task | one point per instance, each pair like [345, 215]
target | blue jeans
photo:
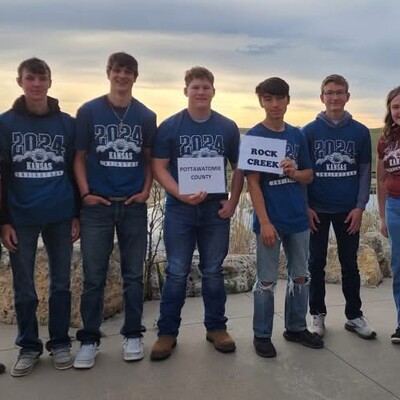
[184, 227]
[347, 250]
[393, 226]
[57, 240]
[296, 250]
[98, 224]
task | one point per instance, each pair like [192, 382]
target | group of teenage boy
[89, 177]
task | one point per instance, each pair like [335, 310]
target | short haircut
[335, 78]
[273, 86]
[123, 60]
[35, 66]
[198, 73]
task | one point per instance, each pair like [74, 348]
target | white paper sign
[262, 154]
[201, 174]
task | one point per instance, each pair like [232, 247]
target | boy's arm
[228, 206]
[267, 230]
[81, 181]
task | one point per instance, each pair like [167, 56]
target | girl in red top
[388, 191]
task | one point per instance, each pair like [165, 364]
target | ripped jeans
[296, 302]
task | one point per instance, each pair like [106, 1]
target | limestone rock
[239, 274]
[381, 246]
[370, 271]
[368, 264]
[112, 298]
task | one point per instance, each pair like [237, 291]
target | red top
[389, 152]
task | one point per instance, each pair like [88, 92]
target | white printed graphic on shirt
[292, 152]
[201, 146]
[37, 155]
[392, 157]
[336, 157]
[118, 146]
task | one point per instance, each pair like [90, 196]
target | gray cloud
[242, 42]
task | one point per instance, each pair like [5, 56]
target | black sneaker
[264, 347]
[306, 338]
[395, 338]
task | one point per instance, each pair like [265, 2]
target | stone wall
[113, 293]
[239, 276]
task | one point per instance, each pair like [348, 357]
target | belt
[223, 196]
[111, 198]
[114, 198]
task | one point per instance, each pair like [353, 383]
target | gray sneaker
[25, 363]
[61, 357]
[133, 349]
[360, 327]
[85, 357]
[317, 324]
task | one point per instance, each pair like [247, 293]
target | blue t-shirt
[284, 197]
[38, 154]
[115, 160]
[181, 136]
[340, 154]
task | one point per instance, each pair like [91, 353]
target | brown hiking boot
[221, 340]
[162, 347]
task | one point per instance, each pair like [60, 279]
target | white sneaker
[360, 327]
[86, 355]
[133, 349]
[317, 324]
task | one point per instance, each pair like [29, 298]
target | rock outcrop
[239, 276]
[112, 298]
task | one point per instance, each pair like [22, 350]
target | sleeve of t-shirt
[5, 165]
[161, 148]
[150, 129]
[233, 155]
[380, 147]
[5, 144]
[365, 156]
[304, 161]
[306, 132]
[84, 128]
[364, 171]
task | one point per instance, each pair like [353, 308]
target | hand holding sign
[205, 174]
[262, 154]
[289, 167]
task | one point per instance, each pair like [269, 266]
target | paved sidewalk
[347, 368]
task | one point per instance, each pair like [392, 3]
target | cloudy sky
[241, 41]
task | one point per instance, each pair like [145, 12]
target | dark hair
[273, 86]
[123, 60]
[335, 78]
[198, 73]
[389, 123]
[35, 66]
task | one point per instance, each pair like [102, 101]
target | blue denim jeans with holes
[186, 226]
[296, 299]
[98, 224]
[393, 226]
[57, 241]
[347, 250]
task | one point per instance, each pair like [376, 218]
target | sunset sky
[241, 42]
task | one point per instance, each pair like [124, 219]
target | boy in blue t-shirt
[38, 198]
[340, 150]
[200, 218]
[112, 168]
[280, 218]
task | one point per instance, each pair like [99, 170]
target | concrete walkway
[347, 368]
